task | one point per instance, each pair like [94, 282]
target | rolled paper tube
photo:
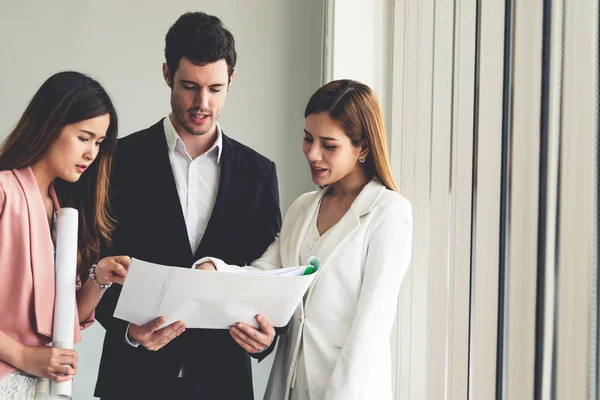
[64, 300]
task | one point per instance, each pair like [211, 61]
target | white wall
[361, 36]
[122, 44]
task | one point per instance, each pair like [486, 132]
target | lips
[199, 118]
[317, 170]
[81, 168]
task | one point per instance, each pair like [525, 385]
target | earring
[361, 159]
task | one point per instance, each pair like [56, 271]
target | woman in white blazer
[337, 342]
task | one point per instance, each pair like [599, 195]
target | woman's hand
[112, 269]
[59, 365]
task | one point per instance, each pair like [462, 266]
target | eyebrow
[322, 137]
[195, 84]
[92, 134]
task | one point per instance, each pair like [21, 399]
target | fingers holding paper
[251, 339]
[53, 363]
[112, 269]
[152, 337]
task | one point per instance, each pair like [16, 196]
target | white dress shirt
[197, 182]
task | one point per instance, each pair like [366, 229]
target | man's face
[198, 94]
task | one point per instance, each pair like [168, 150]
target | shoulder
[9, 187]
[391, 211]
[3, 177]
[6, 174]
[248, 155]
[8, 180]
[393, 202]
[136, 151]
[302, 202]
[135, 139]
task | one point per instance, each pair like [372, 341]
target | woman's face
[76, 148]
[329, 152]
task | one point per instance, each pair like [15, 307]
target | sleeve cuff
[219, 264]
[266, 348]
[129, 340]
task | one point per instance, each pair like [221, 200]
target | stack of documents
[209, 299]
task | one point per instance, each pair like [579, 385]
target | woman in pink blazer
[58, 154]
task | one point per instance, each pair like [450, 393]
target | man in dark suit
[183, 190]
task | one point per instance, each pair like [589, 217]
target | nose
[313, 152]
[202, 99]
[92, 151]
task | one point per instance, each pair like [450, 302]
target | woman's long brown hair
[63, 99]
[354, 106]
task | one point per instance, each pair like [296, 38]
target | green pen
[313, 265]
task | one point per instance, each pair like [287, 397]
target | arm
[268, 222]
[108, 270]
[105, 310]
[43, 361]
[271, 259]
[148, 335]
[268, 227]
[388, 257]
[259, 343]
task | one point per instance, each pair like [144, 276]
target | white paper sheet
[289, 271]
[65, 283]
[208, 299]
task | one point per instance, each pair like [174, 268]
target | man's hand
[153, 338]
[207, 266]
[251, 339]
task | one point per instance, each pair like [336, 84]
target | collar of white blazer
[364, 202]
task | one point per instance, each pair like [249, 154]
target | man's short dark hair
[202, 39]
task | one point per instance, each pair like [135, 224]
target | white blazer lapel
[299, 230]
[346, 226]
[291, 257]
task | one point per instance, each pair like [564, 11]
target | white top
[197, 181]
[310, 246]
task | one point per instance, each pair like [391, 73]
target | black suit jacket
[151, 227]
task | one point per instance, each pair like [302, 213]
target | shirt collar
[173, 138]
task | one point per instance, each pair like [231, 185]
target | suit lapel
[300, 227]
[225, 193]
[346, 226]
[42, 253]
[164, 191]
